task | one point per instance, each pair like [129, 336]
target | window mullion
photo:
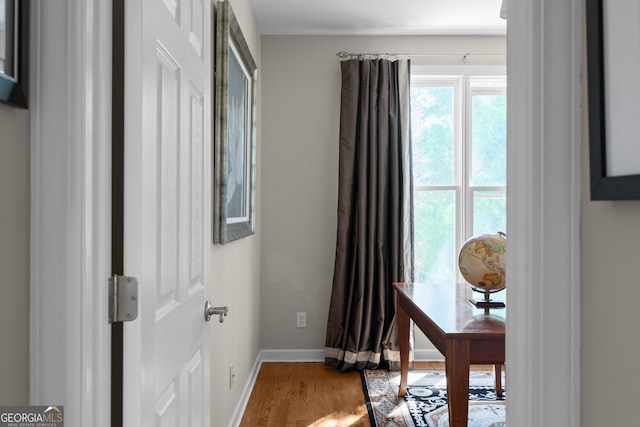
[466, 217]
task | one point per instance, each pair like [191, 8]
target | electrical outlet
[232, 375]
[301, 319]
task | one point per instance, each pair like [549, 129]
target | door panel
[196, 25]
[167, 214]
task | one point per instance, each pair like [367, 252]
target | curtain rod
[343, 54]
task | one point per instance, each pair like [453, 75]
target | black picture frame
[235, 131]
[14, 87]
[603, 186]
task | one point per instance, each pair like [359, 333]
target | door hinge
[123, 298]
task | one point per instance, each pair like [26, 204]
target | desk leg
[497, 372]
[457, 367]
[403, 336]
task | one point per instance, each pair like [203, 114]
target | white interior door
[167, 163]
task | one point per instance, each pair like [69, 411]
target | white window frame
[459, 78]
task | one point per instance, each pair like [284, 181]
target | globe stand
[487, 303]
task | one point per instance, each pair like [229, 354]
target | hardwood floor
[305, 394]
[308, 395]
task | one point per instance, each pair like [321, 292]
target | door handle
[209, 311]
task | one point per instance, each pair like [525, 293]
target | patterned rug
[425, 404]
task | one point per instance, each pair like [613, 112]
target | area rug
[425, 404]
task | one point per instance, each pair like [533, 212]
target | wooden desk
[461, 332]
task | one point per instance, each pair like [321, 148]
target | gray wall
[610, 293]
[235, 281]
[301, 102]
[14, 256]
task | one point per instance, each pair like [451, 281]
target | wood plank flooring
[305, 394]
[309, 395]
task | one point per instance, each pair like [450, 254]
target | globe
[482, 262]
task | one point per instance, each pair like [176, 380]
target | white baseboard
[422, 355]
[246, 393]
[428, 355]
[285, 355]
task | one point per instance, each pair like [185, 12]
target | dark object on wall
[14, 56]
[235, 135]
[603, 185]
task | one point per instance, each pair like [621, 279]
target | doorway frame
[70, 241]
[544, 63]
[70, 234]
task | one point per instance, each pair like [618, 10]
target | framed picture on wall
[14, 52]
[613, 66]
[234, 145]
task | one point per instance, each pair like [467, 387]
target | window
[459, 126]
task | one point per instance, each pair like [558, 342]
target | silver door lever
[210, 311]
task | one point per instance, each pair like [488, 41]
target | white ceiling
[379, 17]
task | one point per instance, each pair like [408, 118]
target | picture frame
[14, 52]
[235, 135]
[612, 68]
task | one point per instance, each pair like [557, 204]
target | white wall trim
[543, 212]
[291, 355]
[317, 355]
[70, 208]
[238, 412]
[428, 355]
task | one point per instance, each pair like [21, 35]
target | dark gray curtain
[373, 245]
